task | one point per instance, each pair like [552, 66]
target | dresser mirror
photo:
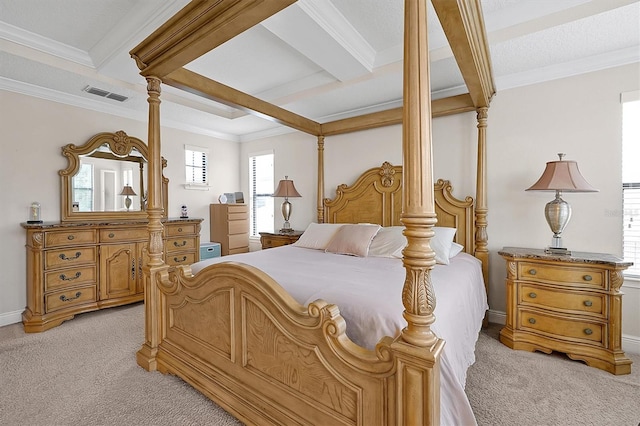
[106, 179]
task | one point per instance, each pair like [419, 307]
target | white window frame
[193, 179]
[631, 189]
[253, 231]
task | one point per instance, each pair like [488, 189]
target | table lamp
[127, 190]
[560, 176]
[286, 189]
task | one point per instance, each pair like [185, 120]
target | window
[196, 161]
[631, 180]
[260, 193]
[83, 188]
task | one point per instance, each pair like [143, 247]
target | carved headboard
[376, 197]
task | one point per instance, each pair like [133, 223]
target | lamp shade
[562, 176]
[127, 190]
[286, 189]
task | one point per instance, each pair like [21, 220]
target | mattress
[368, 292]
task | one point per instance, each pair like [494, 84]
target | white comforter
[368, 292]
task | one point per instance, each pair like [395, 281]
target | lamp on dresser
[127, 190]
[560, 176]
[286, 189]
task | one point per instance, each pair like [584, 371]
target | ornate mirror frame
[120, 145]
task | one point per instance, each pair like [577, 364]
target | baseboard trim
[9, 318]
[630, 343]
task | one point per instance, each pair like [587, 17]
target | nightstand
[569, 304]
[270, 240]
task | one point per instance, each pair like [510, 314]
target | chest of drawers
[570, 304]
[81, 267]
[229, 226]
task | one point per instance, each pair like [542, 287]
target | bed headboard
[376, 197]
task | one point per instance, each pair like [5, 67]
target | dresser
[569, 304]
[79, 267]
[270, 240]
[229, 226]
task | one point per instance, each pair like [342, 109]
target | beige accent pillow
[353, 240]
[317, 235]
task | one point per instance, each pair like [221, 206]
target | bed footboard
[235, 335]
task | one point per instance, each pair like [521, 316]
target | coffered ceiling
[322, 59]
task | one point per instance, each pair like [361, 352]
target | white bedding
[367, 290]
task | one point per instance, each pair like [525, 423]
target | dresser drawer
[70, 277]
[563, 300]
[239, 250]
[69, 257]
[123, 235]
[563, 328]
[239, 227]
[179, 244]
[177, 229]
[566, 275]
[238, 241]
[69, 298]
[69, 238]
[175, 259]
[237, 209]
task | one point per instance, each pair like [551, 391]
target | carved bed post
[146, 356]
[320, 179]
[481, 237]
[418, 349]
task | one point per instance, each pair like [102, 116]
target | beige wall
[580, 116]
[34, 130]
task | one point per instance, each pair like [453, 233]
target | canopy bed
[240, 337]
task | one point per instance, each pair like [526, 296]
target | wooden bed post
[418, 381]
[320, 179]
[481, 237]
[146, 356]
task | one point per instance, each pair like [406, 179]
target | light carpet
[84, 373]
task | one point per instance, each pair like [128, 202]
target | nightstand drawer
[274, 242]
[566, 275]
[563, 328]
[577, 302]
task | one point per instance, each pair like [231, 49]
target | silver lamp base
[557, 212]
[286, 214]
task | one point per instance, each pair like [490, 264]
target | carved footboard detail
[235, 335]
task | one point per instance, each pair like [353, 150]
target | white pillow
[388, 242]
[317, 235]
[455, 249]
[441, 243]
[353, 240]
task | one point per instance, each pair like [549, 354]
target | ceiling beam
[439, 108]
[198, 28]
[470, 47]
[197, 84]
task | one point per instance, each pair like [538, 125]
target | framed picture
[231, 197]
[239, 197]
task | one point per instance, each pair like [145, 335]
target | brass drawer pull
[532, 271]
[63, 277]
[111, 235]
[179, 229]
[68, 299]
[175, 259]
[588, 303]
[532, 320]
[184, 243]
[587, 278]
[588, 331]
[533, 295]
[64, 256]
[70, 237]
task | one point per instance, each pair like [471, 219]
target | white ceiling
[323, 59]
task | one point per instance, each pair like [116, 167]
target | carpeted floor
[84, 373]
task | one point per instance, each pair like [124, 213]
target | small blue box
[209, 250]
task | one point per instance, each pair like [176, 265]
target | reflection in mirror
[102, 177]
